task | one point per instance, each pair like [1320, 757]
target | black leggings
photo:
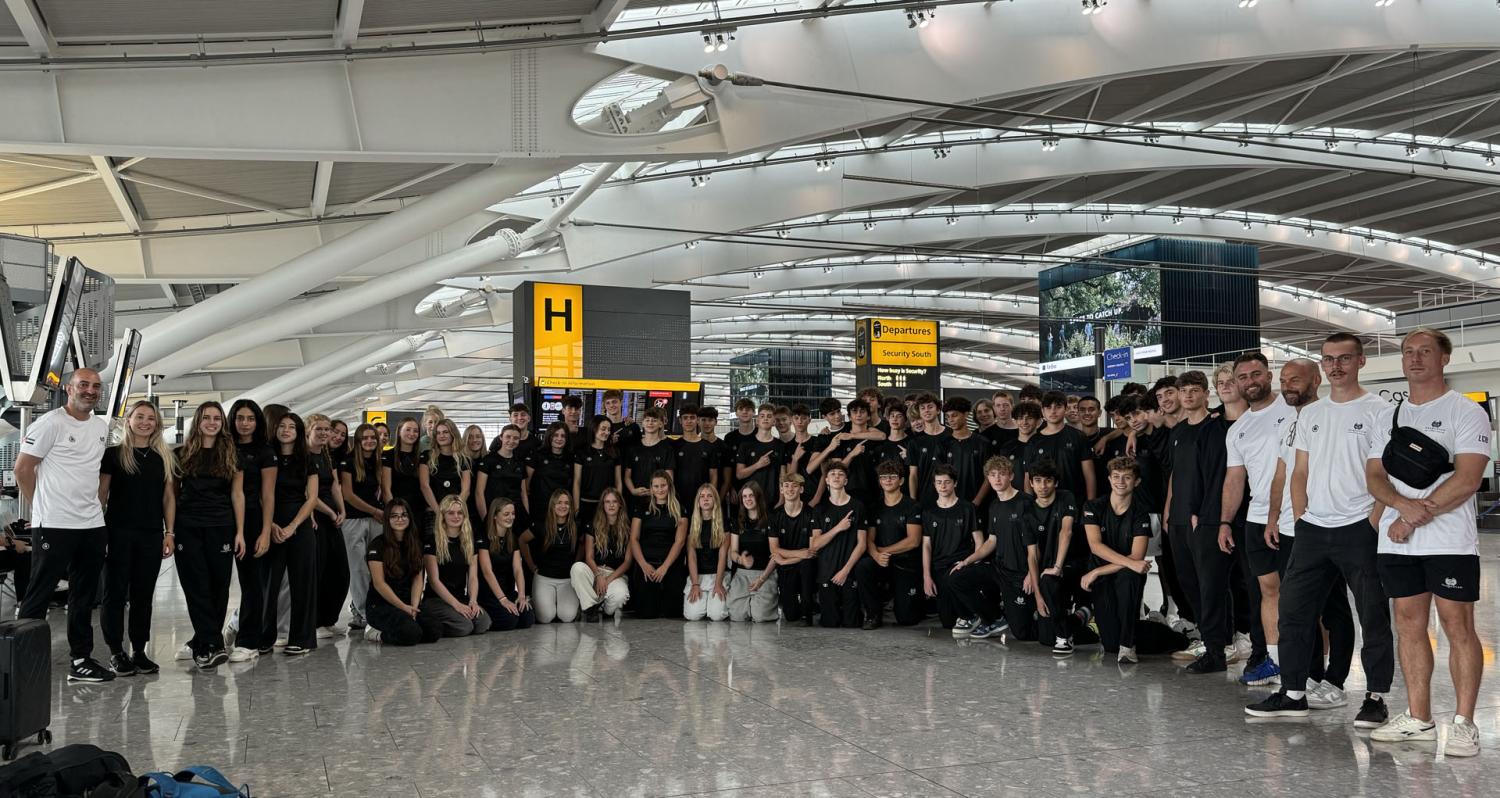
[333, 571]
[501, 619]
[902, 585]
[131, 568]
[398, 628]
[205, 559]
[658, 599]
[297, 560]
[798, 584]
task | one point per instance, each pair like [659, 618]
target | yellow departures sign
[557, 329]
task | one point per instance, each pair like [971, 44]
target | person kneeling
[1118, 527]
[502, 593]
[838, 539]
[705, 594]
[1063, 604]
[552, 560]
[600, 580]
[950, 542]
[752, 589]
[1002, 594]
[396, 581]
[453, 573]
[894, 564]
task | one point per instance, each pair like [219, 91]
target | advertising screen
[1126, 304]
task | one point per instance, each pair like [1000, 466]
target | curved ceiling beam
[814, 323]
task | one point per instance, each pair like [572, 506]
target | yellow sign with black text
[896, 353]
[557, 329]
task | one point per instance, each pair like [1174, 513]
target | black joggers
[205, 559]
[984, 591]
[798, 585]
[78, 555]
[902, 585]
[400, 629]
[1319, 557]
[130, 571]
[296, 560]
[658, 599]
[333, 571]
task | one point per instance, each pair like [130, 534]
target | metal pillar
[315, 376]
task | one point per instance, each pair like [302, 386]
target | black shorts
[1454, 577]
[1262, 558]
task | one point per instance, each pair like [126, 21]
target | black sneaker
[143, 664]
[1279, 705]
[593, 614]
[1372, 713]
[295, 651]
[204, 661]
[217, 657]
[122, 665]
[871, 624]
[1208, 663]
[1063, 647]
[87, 670]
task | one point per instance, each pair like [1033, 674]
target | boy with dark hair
[1028, 417]
[1029, 393]
[965, 451]
[696, 462]
[520, 415]
[796, 562]
[1118, 527]
[999, 592]
[856, 447]
[744, 415]
[625, 433]
[929, 445]
[799, 452]
[838, 537]
[894, 560]
[898, 442]
[950, 536]
[1165, 391]
[783, 423]
[1053, 518]
[572, 416]
[760, 457]
[1184, 489]
[1065, 446]
[654, 453]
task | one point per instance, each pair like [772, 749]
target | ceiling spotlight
[920, 17]
[782, 232]
[1330, 144]
[1177, 219]
[1384, 3]
[1106, 217]
[1030, 217]
[558, 200]
[1426, 249]
[952, 220]
[1243, 143]
[1309, 232]
[757, 274]
[690, 245]
[1370, 238]
[1248, 3]
[697, 180]
[1245, 224]
[1049, 143]
[1412, 150]
[824, 164]
[870, 225]
[1152, 138]
[1094, 6]
[828, 270]
[1489, 160]
[942, 151]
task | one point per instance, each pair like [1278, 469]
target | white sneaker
[325, 632]
[1194, 650]
[1156, 617]
[184, 653]
[962, 627]
[230, 633]
[1325, 696]
[239, 654]
[282, 642]
[1179, 624]
[1404, 728]
[1240, 649]
[372, 634]
[1463, 738]
[1127, 656]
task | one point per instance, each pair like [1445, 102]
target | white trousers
[554, 599]
[760, 606]
[615, 595]
[708, 605]
[358, 532]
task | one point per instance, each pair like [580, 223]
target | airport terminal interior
[534, 271]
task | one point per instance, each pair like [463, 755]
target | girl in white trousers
[600, 579]
[705, 594]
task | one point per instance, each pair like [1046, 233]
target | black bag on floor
[73, 771]
[25, 683]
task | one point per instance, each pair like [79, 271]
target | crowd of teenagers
[1016, 518]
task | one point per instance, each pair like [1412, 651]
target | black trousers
[1168, 574]
[77, 554]
[1117, 608]
[658, 599]
[1320, 556]
[255, 606]
[501, 619]
[902, 585]
[130, 570]
[1244, 590]
[1064, 594]
[296, 559]
[1212, 569]
[948, 606]
[333, 571]
[798, 586]
[400, 629]
[984, 591]
[838, 605]
[205, 558]
[1338, 619]
[1185, 569]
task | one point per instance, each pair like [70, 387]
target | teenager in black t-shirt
[360, 477]
[1028, 416]
[1118, 527]
[257, 460]
[453, 573]
[502, 584]
[135, 489]
[595, 468]
[857, 447]
[399, 465]
[1185, 487]
[796, 563]
[840, 529]
[799, 452]
[899, 444]
[444, 470]
[530, 439]
[893, 565]
[654, 453]
[752, 587]
[549, 470]
[929, 444]
[950, 538]
[707, 594]
[657, 537]
[624, 433]
[998, 588]
[550, 547]
[760, 457]
[209, 527]
[744, 428]
[502, 474]
[397, 579]
[601, 580]
[1065, 447]
[966, 452]
[1061, 602]
[696, 458]
[328, 520]
[294, 549]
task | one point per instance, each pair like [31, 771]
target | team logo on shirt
[1020, 599]
[72, 439]
[1358, 425]
[224, 549]
[1437, 424]
[1315, 428]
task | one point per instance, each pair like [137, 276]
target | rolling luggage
[25, 684]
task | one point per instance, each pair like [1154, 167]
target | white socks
[1296, 695]
[1274, 652]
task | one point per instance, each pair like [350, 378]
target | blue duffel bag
[199, 781]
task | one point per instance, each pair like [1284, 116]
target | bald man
[58, 472]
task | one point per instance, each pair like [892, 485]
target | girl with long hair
[475, 448]
[502, 591]
[600, 580]
[339, 445]
[396, 579]
[328, 520]
[549, 470]
[207, 525]
[551, 548]
[294, 547]
[135, 488]
[444, 469]
[596, 467]
[706, 593]
[257, 461]
[359, 481]
[502, 475]
[398, 469]
[657, 536]
[752, 588]
[453, 573]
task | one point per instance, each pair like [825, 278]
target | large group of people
[1016, 518]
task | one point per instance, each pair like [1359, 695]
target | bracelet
[1229, 524]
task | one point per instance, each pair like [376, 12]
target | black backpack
[73, 771]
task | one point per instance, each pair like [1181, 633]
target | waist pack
[73, 771]
[1412, 457]
[199, 781]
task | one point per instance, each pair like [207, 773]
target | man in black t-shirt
[966, 451]
[744, 414]
[695, 458]
[654, 453]
[839, 533]
[760, 458]
[898, 442]
[894, 561]
[625, 433]
[1065, 446]
[1185, 487]
[799, 453]
[1118, 527]
[928, 445]
[1064, 551]
[950, 538]
[796, 563]
[998, 588]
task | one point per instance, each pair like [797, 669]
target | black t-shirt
[202, 497]
[553, 472]
[755, 539]
[1186, 480]
[792, 533]
[999, 437]
[1118, 531]
[809, 478]
[1150, 455]
[693, 466]
[454, 574]
[528, 446]
[444, 478]
[643, 461]
[613, 556]
[366, 490]
[835, 553]
[135, 500]
[291, 487]
[658, 533]
[861, 468]
[706, 553]
[625, 435]
[501, 561]
[322, 463]
[1019, 453]
[597, 472]
[890, 529]
[951, 530]
[900, 451]
[553, 560]
[730, 450]
[254, 458]
[1006, 523]
[1045, 524]
[769, 478]
[929, 453]
[967, 457]
[503, 476]
[1067, 450]
[400, 580]
[1213, 464]
[406, 484]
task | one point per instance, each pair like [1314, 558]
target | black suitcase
[25, 683]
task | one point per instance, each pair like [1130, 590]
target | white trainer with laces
[372, 634]
[1405, 728]
[1194, 650]
[1127, 656]
[1325, 696]
[184, 653]
[1463, 738]
[239, 654]
[1240, 649]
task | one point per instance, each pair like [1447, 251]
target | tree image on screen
[1126, 303]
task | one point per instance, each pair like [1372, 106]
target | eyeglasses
[1342, 360]
[394, 516]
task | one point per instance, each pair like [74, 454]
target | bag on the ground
[199, 781]
[73, 771]
[1412, 457]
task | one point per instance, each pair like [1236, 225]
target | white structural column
[335, 374]
[294, 382]
[169, 336]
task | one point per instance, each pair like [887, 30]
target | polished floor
[667, 708]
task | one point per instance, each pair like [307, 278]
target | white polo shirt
[67, 480]
[1254, 443]
[1462, 427]
[1336, 437]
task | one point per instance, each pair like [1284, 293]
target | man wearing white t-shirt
[1429, 541]
[1335, 535]
[58, 472]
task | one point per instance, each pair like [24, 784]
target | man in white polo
[58, 472]
[1429, 537]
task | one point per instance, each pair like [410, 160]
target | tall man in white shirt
[58, 472]
[1335, 535]
[1429, 538]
